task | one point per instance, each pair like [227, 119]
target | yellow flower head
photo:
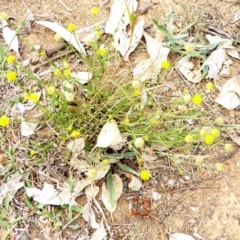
[3, 16]
[105, 161]
[67, 72]
[11, 59]
[219, 166]
[101, 51]
[11, 76]
[26, 96]
[146, 138]
[189, 48]
[110, 116]
[4, 121]
[66, 64]
[50, 90]
[197, 99]
[92, 173]
[75, 134]
[203, 132]
[136, 92]
[32, 152]
[228, 147]
[71, 27]
[181, 172]
[215, 132]
[57, 72]
[210, 86]
[153, 121]
[136, 84]
[165, 64]
[145, 175]
[209, 139]
[57, 37]
[99, 33]
[126, 121]
[95, 10]
[34, 97]
[189, 138]
[69, 128]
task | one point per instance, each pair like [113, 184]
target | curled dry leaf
[229, 94]
[77, 145]
[10, 37]
[118, 187]
[65, 34]
[135, 184]
[109, 135]
[89, 215]
[82, 77]
[101, 171]
[180, 236]
[214, 63]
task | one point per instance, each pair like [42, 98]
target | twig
[54, 50]
[64, 5]
[192, 188]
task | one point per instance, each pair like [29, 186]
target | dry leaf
[100, 233]
[82, 77]
[118, 187]
[214, 63]
[229, 94]
[77, 145]
[89, 215]
[180, 236]
[109, 135]
[10, 37]
[135, 184]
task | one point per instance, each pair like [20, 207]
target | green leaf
[75, 227]
[170, 22]
[125, 168]
[121, 155]
[163, 30]
[189, 25]
[110, 188]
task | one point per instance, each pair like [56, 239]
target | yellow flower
[126, 121]
[110, 116]
[94, 11]
[66, 64]
[139, 142]
[66, 72]
[215, 132]
[75, 134]
[57, 72]
[32, 152]
[228, 147]
[42, 54]
[92, 173]
[4, 121]
[145, 175]
[219, 121]
[181, 172]
[71, 27]
[101, 51]
[89, 42]
[105, 161]
[136, 92]
[197, 99]
[153, 121]
[189, 48]
[50, 90]
[203, 132]
[34, 97]
[99, 33]
[146, 138]
[165, 64]
[199, 160]
[57, 37]
[11, 59]
[69, 128]
[139, 160]
[11, 76]
[3, 16]
[189, 138]
[210, 86]
[26, 96]
[209, 139]
[219, 166]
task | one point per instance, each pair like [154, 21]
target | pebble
[34, 58]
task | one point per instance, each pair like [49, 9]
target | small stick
[54, 50]
[64, 5]
[190, 188]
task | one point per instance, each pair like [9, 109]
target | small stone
[34, 58]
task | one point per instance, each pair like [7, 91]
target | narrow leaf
[127, 169]
[110, 188]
